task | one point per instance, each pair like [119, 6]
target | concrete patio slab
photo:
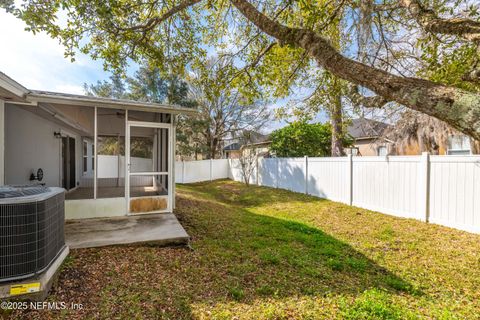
[159, 228]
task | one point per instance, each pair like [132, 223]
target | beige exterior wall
[236, 154]
[369, 147]
[233, 154]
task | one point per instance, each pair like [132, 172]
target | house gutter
[40, 97]
[25, 96]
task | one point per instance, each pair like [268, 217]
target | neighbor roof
[232, 147]
[255, 138]
[363, 128]
[12, 91]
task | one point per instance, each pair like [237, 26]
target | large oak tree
[175, 33]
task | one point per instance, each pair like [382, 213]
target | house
[409, 136]
[415, 132]
[232, 150]
[368, 138]
[113, 157]
[236, 147]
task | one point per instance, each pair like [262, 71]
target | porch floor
[159, 228]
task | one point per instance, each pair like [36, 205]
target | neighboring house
[374, 138]
[368, 138]
[232, 151]
[114, 157]
[452, 144]
[459, 145]
[235, 148]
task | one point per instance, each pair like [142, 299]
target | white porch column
[173, 157]
[2, 142]
[95, 150]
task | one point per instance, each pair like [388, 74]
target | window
[459, 145]
[382, 151]
[85, 156]
[353, 151]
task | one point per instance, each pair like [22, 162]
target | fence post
[350, 178]
[230, 174]
[257, 169]
[306, 174]
[424, 184]
[211, 161]
[183, 171]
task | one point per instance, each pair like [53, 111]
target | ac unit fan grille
[31, 236]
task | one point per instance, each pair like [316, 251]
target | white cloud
[38, 62]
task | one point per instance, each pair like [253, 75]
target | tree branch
[459, 108]
[430, 22]
[472, 76]
[255, 62]
[153, 22]
[368, 102]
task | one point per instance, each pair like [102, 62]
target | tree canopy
[420, 54]
[223, 110]
[301, 138]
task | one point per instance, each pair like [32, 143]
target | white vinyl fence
[439, 189]
[202, 170]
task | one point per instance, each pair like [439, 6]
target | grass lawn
[261, 253]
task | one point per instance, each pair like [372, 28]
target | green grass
[261, 253]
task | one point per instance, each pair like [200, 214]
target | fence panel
[387, 184]
[267, 172]
[291, 174]
[220, 169]
[196, 171]
[328, 178]
[442, 189]
[235, 172]
[179, 172]
[455, 192]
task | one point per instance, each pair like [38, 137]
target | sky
[38, 62]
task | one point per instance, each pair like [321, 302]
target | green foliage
[301, 138]
[447, 63]
[119, 32]
[236, 293]
[375, 304]
[148, 84]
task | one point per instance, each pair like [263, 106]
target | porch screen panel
[149, 169]
[110, 153]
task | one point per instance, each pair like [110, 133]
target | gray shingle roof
[232, 147]
[366, 128]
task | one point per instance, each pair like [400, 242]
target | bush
[301, 138]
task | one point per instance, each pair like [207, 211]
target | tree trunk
[336, 120]
[458, 108]
[213, 148]
[475, 146]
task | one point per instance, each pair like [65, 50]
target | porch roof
[13, 92]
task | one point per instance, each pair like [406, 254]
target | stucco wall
[30, 144]
[369, 147]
